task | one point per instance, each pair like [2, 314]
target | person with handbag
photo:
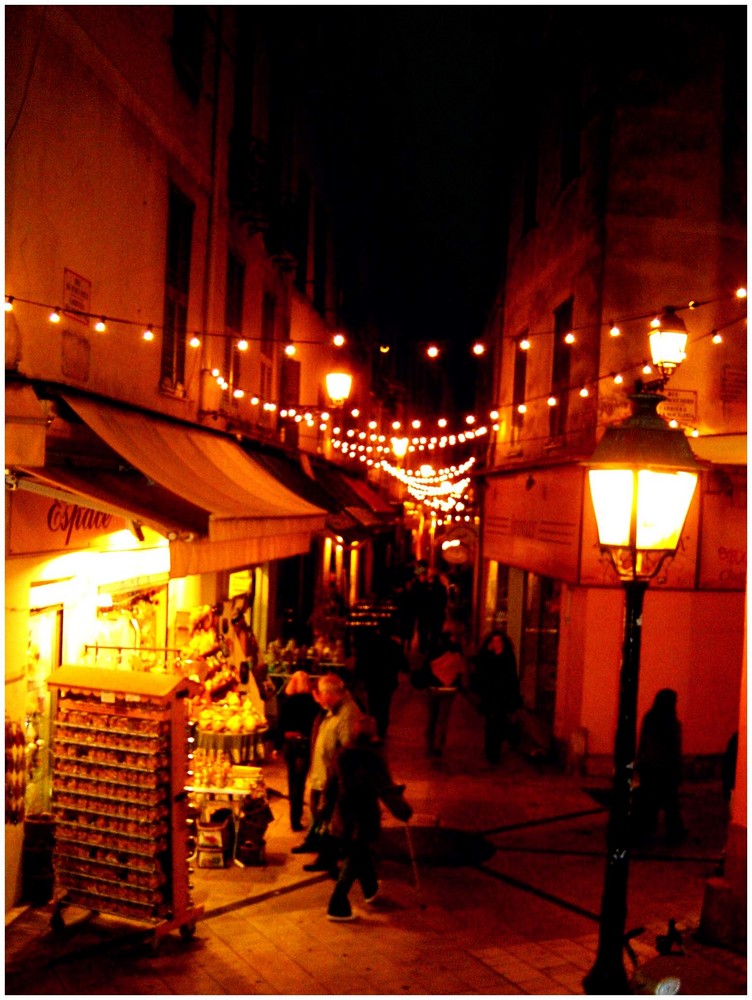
[447, 674]
[298, 711]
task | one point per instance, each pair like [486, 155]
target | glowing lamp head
[642, 479]
[668, 342]
[338, 386]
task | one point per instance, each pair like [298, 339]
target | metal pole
[608, 976]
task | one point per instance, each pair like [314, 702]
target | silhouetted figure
[495, 682]
[379, 659]
[659, 766]
[430, 608]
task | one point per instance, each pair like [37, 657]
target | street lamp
[338, 386]
[642, 479]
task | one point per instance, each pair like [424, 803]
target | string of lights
[361, 445]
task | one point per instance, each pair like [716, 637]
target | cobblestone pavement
[504, 898]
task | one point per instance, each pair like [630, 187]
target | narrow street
[504, 898]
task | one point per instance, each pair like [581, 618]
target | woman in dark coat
[359, 783]
[297, 712]
[496, 684]
[659, 766]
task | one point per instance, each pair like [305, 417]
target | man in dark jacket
[360, 781]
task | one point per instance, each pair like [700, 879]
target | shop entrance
[540, 644]
[45, 653]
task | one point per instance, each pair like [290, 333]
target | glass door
[44, 655]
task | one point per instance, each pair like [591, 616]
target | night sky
[411, 99]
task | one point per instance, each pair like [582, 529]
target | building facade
[629, 195]
[172, 291]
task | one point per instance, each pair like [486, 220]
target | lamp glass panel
[667, 347]
[663, 499]
[338, 385]
[612, 491]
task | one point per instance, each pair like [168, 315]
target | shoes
[323, 866]
[374, 894]
[343, 918]
[307, 847]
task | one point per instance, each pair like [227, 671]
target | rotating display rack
[119, 797]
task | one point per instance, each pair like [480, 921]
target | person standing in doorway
[495, 682]
[659, 767]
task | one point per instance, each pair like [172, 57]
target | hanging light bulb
[55, 315]
[717, 338]
[100, 326]
[194, 341]
[9, 303]
[242, 344]
[618, 379]
[615, 330]
[338, 340]
[570, 338]
[290, 350]
[584, 392]
[479, 349]
[148, 333]
[524, 344]
[432, 351]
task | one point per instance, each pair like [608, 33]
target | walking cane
[414, 865]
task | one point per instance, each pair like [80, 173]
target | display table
[242, 748]
[244, 794]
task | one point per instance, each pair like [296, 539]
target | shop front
[160, 558]
[545, 581]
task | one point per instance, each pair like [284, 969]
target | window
[530, 182]
[571, 125]
[518, 389]
[177, 277]
[268, 313]
[188, 48]
[302, 210]
[320, 244]
[233, 318]
[561, 368]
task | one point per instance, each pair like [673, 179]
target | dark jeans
[379, 706]
[297, 754]
[359, 865]
[651, 797]
[499, 726]
[439, 706]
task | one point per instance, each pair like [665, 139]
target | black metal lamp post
[642, 479]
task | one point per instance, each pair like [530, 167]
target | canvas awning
[250, 517]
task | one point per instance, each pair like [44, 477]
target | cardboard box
[211, 858]
[214, 835]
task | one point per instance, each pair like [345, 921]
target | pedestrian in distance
[379, 660]
[659, 768]
[334, 731]
[298, 710]
[359, 783]
[495, 683]
[447, 674]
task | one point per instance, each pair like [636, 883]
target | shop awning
[721, 449]
[355, 497]
[299, 476]
[251, 516]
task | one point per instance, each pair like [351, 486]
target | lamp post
[642, 479]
